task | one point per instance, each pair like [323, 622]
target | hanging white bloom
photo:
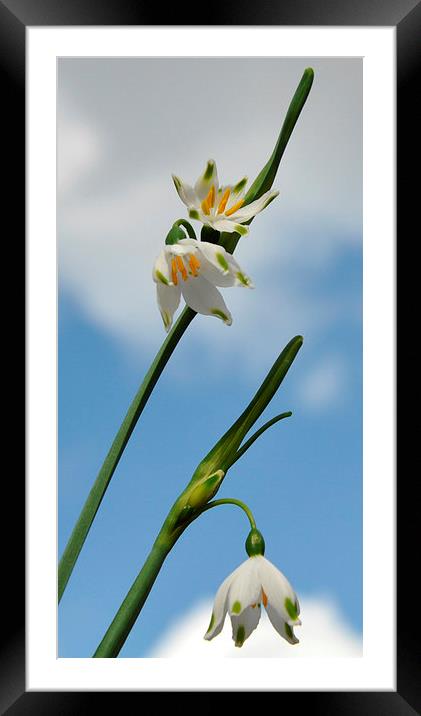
[194, 269]
[222, 208]
[254, 582]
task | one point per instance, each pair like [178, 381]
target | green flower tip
[236, 608]
[255, 544]
[210, 167]
[291, 609]
[240, 636]
[288, 631]
[211, 623]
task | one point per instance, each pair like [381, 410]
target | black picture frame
[405, 15]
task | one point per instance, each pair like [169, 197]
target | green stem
[94, 499]
[188, 227]
[126, 616]
[232, 501]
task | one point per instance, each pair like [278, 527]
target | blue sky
[118, 145]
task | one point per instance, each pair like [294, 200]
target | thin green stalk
[232, 501]
[240, 452]
[94, 499]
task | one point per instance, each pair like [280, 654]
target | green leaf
[224, 453]
[257, 434]
[265, 179]
[95, 497]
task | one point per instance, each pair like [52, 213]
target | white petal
[219, 609]
[204, 298]
[161, 269]
[214, 276]
[230, 225]
[183, 247]
[277, 589]
[221, 268]
[185, 192]
[205, 181]
[245, 588]
[245, 624]
[250, 210]
[168, 298]
[280, 625]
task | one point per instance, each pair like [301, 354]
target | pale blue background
[123, 127]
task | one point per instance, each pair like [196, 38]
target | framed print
[114, 105]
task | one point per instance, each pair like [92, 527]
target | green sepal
[255, 543]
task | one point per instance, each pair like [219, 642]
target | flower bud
[205, 490]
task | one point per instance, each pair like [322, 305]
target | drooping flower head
[255, 582]
[193, 269]
[221, 207]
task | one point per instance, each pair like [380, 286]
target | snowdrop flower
[194, 269]
[222, 208]
[254, 582]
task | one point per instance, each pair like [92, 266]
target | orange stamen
[181, 267]
[194, 264]
[174, 272]
[209, 201]
[264, 599]
[211, 196]
[224, 200]
[234, 208]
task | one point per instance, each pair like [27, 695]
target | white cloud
[324, 384]
[78, 147]
[323, 634]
